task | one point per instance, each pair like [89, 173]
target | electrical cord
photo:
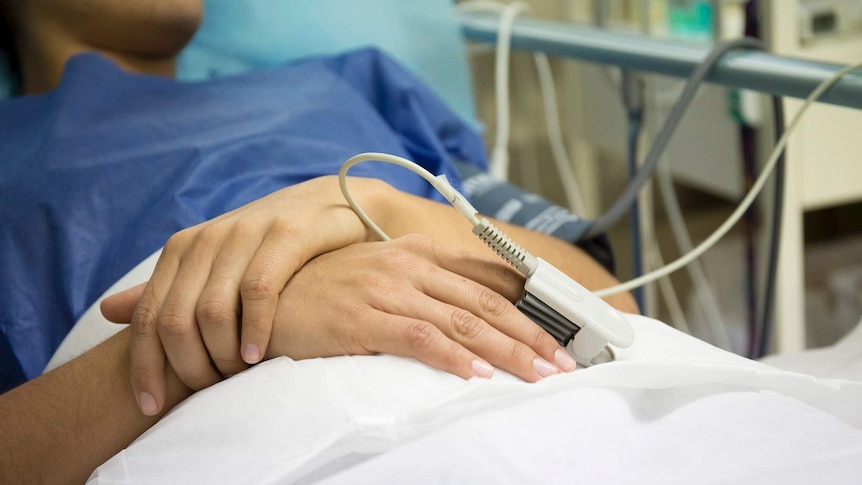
[555, 135]
[525, 262]
[493, 237]
[695, 80]
[777, 152]
[668, 293]
[696, 270]
[633, 99]
[551, 299]
[702, 288]
[499, 165]
[763, 320]
[768, 308]
[633, 135]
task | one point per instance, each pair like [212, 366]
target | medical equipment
[579, 320]
[499, 163]
[624, 201]
[631, 88]
[579, 306]
[640, 176]
[758, 71]
[749, 198]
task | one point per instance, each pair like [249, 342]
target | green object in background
[690, 18]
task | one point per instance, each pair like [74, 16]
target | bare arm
[244, 259]
[59, 427]
[403, 213]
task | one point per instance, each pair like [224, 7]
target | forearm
[59, 427]
[403, 214]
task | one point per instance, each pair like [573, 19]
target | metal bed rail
[754, 70]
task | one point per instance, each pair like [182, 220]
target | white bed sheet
[672, 409]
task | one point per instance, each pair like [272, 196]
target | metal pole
[758, 71]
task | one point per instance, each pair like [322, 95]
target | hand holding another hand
[290, 274]
[415, 298]
[209, 305]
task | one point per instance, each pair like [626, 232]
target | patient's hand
[210, 303]
[413, 297]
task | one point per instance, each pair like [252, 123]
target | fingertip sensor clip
[580, 321]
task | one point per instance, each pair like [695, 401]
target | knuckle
[257, 288]
[517, 352]
[242, 227]
[213, 312]
[491, 303]
[207, 237]
[178, 242]
[143, 320]
[466, 324]
[173, 325]
[284, 228]
[419, 335]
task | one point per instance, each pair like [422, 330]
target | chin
[154, 28]
[174, 23]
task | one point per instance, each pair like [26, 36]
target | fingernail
[147, 403]
[251, 354]
[543, 367]
[482, 369]
[564, 361]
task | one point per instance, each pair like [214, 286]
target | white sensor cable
[709, 242]
[499, 164]
[439, 182]
[526, 262]
[579, 320]
[493, 237]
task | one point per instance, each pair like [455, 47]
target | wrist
[377, 198]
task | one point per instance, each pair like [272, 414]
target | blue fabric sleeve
[97, 174]
[506, 202]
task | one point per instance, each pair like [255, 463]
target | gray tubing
[695, 80]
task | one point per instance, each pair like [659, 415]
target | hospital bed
[671, 409]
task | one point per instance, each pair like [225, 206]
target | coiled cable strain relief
[505, 247]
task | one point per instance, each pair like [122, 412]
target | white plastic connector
[600, 324]
[457, 200]
[563, 307]
[505, 247]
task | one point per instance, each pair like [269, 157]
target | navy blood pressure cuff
[505, 202]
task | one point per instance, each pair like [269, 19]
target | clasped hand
[254, 284]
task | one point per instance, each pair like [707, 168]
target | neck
[43, 54]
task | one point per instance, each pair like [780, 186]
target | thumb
[119, 307]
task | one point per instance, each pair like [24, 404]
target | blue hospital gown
[97, 174]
